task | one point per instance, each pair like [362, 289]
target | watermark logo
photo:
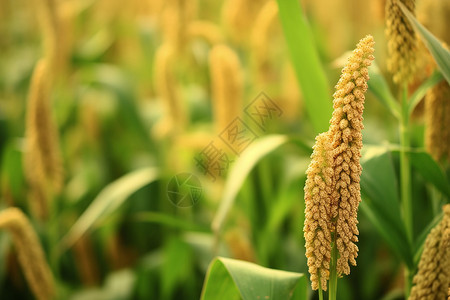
[262, 109]
[214, 161]
[184, 190]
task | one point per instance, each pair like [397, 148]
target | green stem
[333, 273]
[320, 292]
[405, 181]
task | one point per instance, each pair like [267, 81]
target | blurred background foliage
[111, 122]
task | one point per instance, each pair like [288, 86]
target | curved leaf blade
[241, 168]
[434, 79]
[234, 279]
[108, 200]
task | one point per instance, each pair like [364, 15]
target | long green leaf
[379, 87]
[306, 62]
[233, 279]
[439, 53]
[170, 221]
[434, 79]
[430, 170]
[108, 200]
[241, 168]
[381, 203]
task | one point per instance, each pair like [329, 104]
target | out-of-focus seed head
[433, 276]
[437, 120]
[29, 250]
[402, 42]
[227, 85]
[42, 159]
[167, 89]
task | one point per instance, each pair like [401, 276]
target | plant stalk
[333, 273]
[405, 182]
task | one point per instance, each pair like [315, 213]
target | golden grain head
[227, 85]
[433, 276]
[345, 132]
[167, 89]
[437, 120]
[206, 30]
[176, 17]
[238, 18]
[261, 36]
[42, 159]
[317, 227]
[29, 250]
[332, 191]
[403, 51]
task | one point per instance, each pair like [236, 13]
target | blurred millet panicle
[239, 16]
[176, 16]
[206, 30]
[174, 118]
[30, 253]
[403, 51]
[49, 21]
[261, 36]
[332, 191]
[227, 85]
[434, 15]
[437, 120]
[42, 158]
[432, 280]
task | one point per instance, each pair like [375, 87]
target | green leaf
[379, 87]
[381, 202]
[108, 200]
[430, 170]
[434, 79]
[177, 266]
[241, 168]
[233, 279]
[170, 221]
[439, 53]
[306, 62]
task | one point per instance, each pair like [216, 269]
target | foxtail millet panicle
[30, 253]
[437, 106]
[176, 16]
[437, 120]
[317, 228]
[42, 158]
[167, 89]
[345, 131]
[227, 85]
[432, 280]
[332, 191]
[47, 13]
[261, 36]
[402, 42]
[238, 18]
[206, 30]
